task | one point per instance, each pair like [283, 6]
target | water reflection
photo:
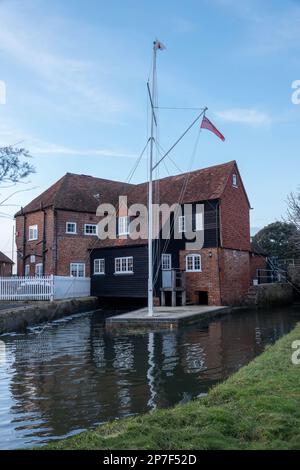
[73, 374]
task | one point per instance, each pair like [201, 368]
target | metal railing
[271, 276]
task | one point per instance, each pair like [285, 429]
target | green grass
[256, 408]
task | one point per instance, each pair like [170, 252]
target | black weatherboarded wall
[121, 285]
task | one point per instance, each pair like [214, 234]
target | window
[99, 266]
[27, 270]
[32, 259]
[123, 225]
[71, 227]
[33, 232]
[193, 263]
[124, 265]
[181, 224]
[199, 222]
[77, 269]
[90, 229]
[166, 262]
[234, 180]
[39, 269]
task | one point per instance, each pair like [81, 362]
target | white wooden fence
[43, 288]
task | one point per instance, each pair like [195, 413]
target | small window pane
[90, 229]
[99, 266]
[71, 227]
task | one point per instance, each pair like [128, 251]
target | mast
[157, 45]
[150, 190]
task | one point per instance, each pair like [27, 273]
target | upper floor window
[99, 266]
[234, 180]
[166, 262]
[90, 229]
[123, 225]
[71, 227]
[33, 232]
[193, 263]
[181, 224]
[39, 269]
[124, 265]
[77, 269]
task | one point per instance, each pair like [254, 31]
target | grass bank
[256, 408]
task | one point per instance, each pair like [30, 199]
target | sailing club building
[57, 234]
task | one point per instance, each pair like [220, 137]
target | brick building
[6, 265]
[56, 234]
[55, 231]
[218, 274]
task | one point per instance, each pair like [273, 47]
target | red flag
[206, 124]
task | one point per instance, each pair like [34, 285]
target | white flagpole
[156, 45]
[150, 194]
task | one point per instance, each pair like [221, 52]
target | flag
[159, 45]
[206, 124]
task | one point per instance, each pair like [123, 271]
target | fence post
[52, 288]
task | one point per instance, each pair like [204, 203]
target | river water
[72, 374]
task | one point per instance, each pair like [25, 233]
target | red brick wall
[235, 218]
[61, 249]
[256, 262]
[225, 287]
[73, 248]
[235, 276]
[34, 247]
[207, 280]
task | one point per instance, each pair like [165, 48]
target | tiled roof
[80, 193]
[83, 193]
[5, 259]
[201, 185]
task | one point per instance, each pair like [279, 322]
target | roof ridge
[231, 162]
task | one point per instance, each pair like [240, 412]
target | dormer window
[234, 180]
[123, 225]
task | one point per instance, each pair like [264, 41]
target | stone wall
[19, 318]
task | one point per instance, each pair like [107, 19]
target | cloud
[44, 148]
[250, 116]
[78, 82]
[10, 134]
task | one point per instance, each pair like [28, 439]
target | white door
[166, 266]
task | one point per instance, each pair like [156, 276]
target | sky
[75, 75]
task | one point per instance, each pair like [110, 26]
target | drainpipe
[54, 248]
[220, 245]
[44, 242]
[24, 242]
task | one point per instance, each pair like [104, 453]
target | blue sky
[76, 72]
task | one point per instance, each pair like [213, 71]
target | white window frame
[123, 225]
[77, 269]
[39, 267]
[193, 269]
[90, 234]
[27, 270]
[33, 232]
[166, 262]
[234, 180]
[181, 224]
[99, 266]
[75, 227]
[122, 265]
